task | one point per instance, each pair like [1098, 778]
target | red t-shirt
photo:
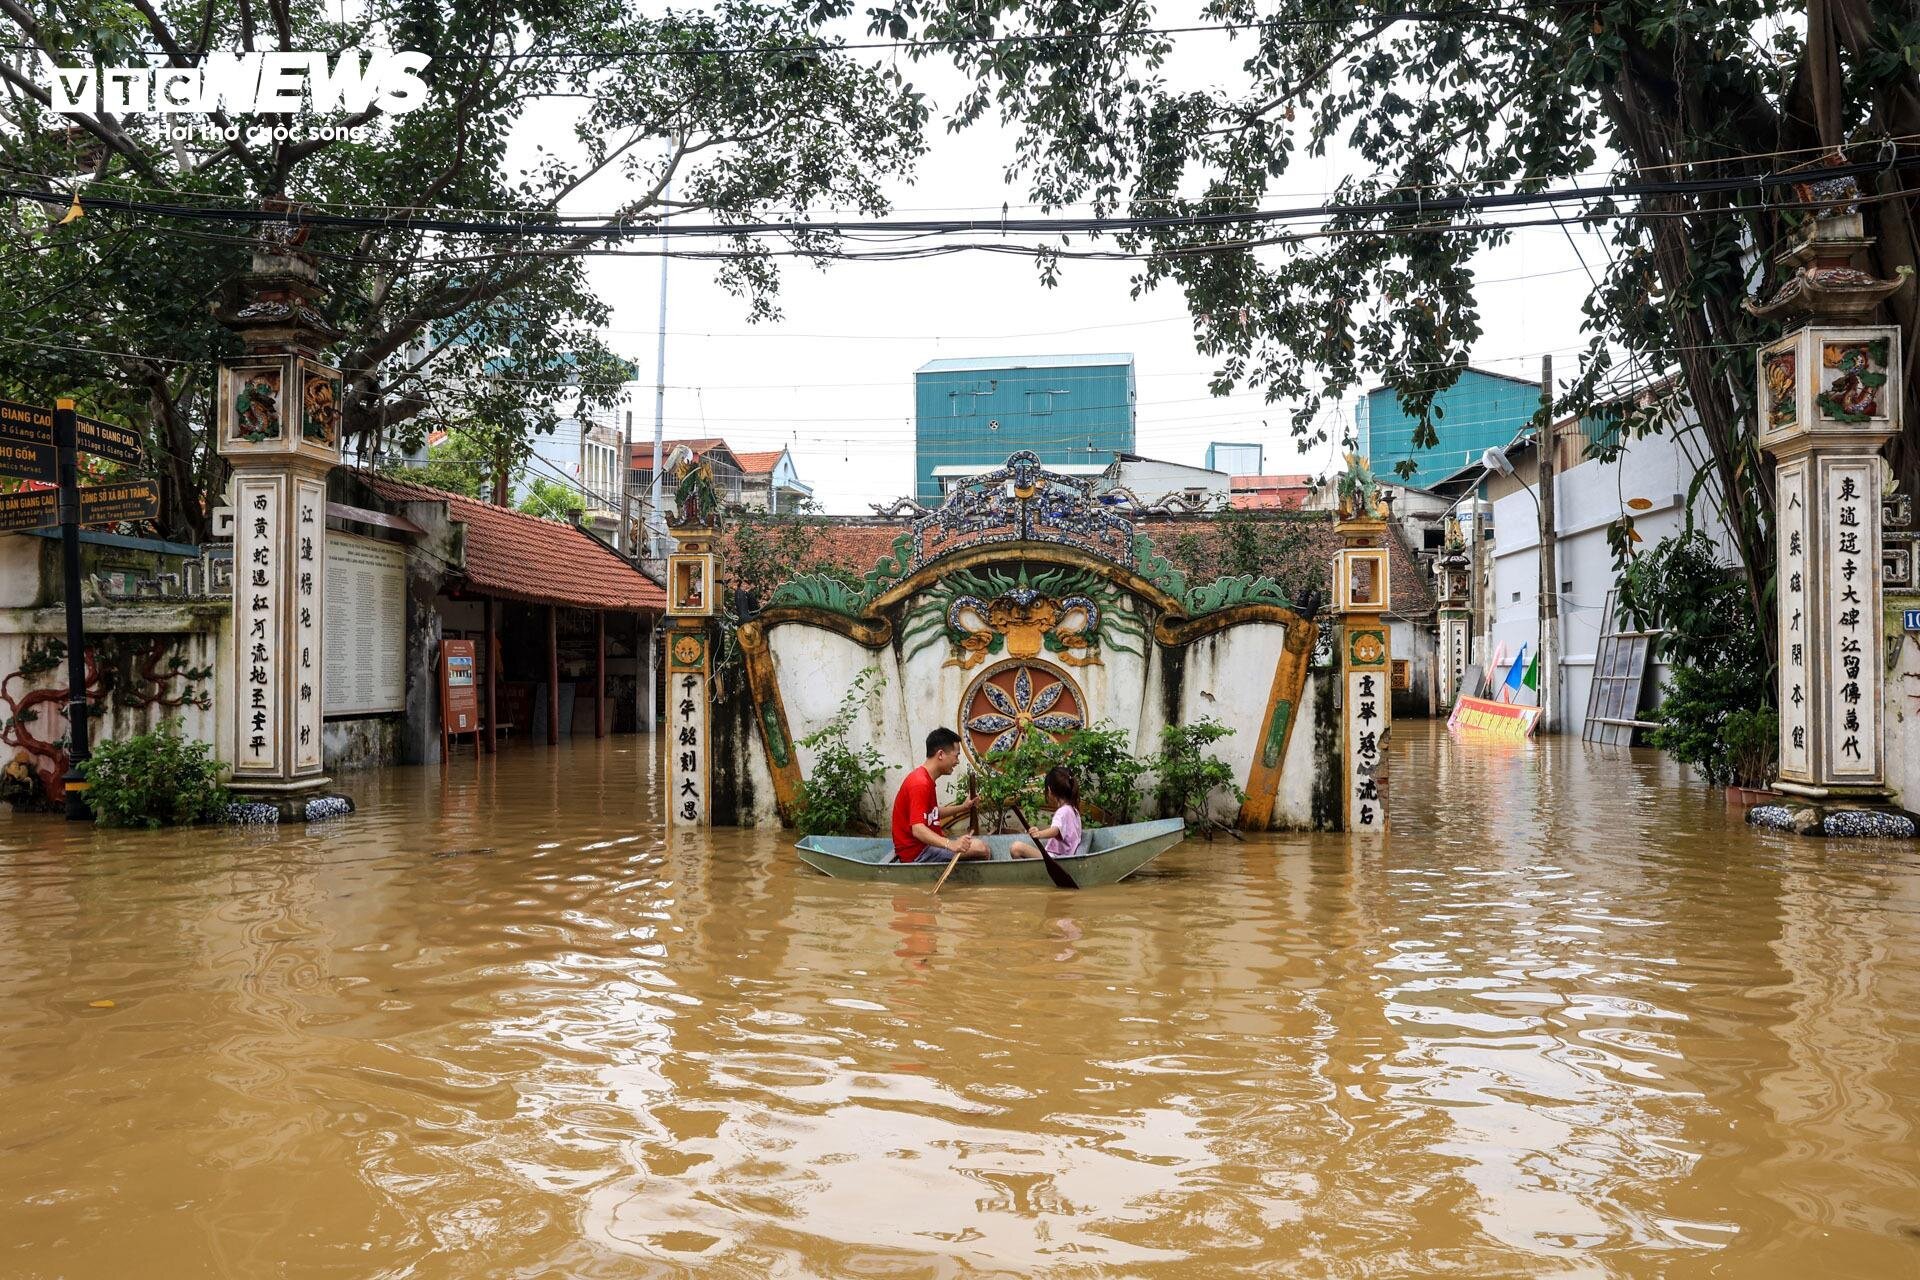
[916, 802]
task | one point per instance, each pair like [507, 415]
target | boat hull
[1115, 854]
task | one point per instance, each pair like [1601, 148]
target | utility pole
[1549, 560]
[623, 476]
[654, 523]
[67, 456]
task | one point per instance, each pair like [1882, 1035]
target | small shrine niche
[1360, 580]
[690, 585]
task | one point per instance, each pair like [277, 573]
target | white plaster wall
[19, 571]
[200, 642]
[814, 667]
[1228, 677]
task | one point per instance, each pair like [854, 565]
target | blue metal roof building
[1481, 410]
[1075, 411]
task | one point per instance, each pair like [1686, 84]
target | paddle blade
[1056, 872]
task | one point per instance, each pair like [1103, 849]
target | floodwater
[1572, 1018]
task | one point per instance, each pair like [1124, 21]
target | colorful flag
[1532, 678]
[1511, 684]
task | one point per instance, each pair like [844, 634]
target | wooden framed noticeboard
[459, 693]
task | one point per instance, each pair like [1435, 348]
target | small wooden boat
[1111, 855]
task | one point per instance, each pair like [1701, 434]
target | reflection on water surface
[1571, 1019]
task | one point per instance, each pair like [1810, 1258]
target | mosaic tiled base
[1850, 823]
[256, 812]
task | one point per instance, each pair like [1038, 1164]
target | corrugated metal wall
[1478, 411]
[1056, 412]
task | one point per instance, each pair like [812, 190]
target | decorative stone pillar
[1829, 398]
[686, 728]
[278, 420]
[1363, 646]
[1456, 618]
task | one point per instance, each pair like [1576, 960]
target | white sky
[833, 378]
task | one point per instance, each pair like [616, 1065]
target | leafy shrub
[156, 779]
[1716, 710]
[835, 795]
[1188, 778]
[1753, 742]
[1108, 769]
[1013, 778]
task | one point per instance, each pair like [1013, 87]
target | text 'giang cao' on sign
[1508, 721]
[31, 425]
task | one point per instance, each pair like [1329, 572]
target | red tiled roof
[1270, 493]
[522, 557]
[758, 464]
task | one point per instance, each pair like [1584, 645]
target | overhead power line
[1416, 205]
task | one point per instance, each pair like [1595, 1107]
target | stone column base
[1838, 817]
[306, 800]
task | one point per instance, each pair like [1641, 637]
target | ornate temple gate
[1029, 604]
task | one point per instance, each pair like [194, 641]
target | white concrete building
[1648, 480]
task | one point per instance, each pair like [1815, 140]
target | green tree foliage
[762, 551]
[1428, 103]
[552, 501]
[837, 796]
[465, 463]
[533, 106]
[1716, 713]
[157, 779]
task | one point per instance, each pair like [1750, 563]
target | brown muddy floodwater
[1571, 1019]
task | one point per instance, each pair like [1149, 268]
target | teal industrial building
[1479, 411]
[1075, 411]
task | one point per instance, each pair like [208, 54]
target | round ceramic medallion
[1010, 700]
[687, 650]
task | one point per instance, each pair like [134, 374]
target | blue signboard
[1913, 619]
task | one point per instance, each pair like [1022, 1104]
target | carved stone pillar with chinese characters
[279, 428]
[686, 728]
[1450, 568]
[1829, 398]
[1362, 641]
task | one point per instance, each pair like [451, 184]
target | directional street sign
[35, 509]
[26, 422]
[26, 460]
[29, 424]
[104, 440]
[111, 503]
[99, 504]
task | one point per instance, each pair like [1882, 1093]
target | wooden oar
[973, 828]
[1055, 872]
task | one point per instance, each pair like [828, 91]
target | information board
[366, 622]
[459, 694]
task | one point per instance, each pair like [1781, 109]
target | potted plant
[1753, 745]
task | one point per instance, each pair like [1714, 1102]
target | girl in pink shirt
[1063, 836]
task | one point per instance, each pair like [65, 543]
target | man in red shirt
[918, 813]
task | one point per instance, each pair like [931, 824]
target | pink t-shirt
[1067, 819]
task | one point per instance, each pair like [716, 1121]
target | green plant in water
[1753, 741]
[1011, 778]
[835, 796]
[157, 779]
[1108, 770]
[1188, 776]
[1720, 679]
